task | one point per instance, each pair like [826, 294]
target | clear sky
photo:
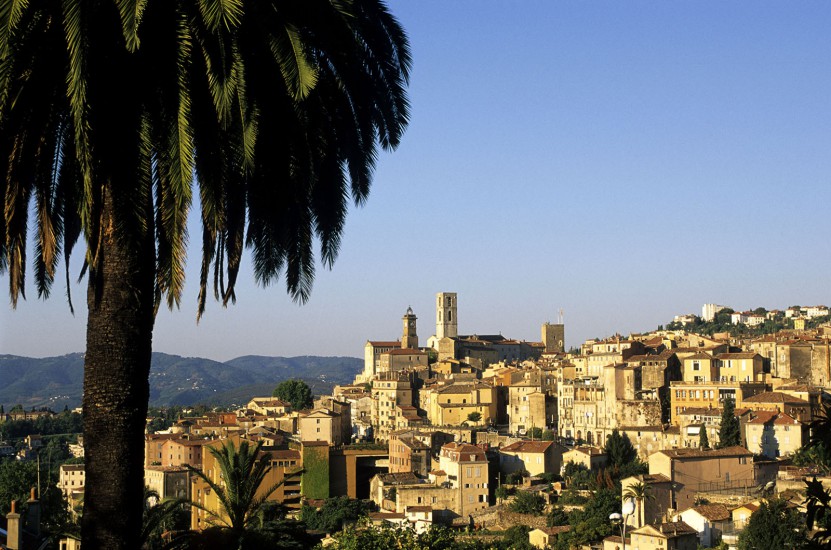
[624, 161]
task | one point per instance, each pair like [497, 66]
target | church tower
[409, 338]
[446, 323]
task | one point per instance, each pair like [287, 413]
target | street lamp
[620, 519]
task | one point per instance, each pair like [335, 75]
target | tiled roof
[407, 351]
[774, 397]
[588, 450]
[780, 419]
[527, 447]
[735, 450]
[383, 344]
[713, 512]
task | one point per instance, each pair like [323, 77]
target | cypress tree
[704, 441]
[729, 433]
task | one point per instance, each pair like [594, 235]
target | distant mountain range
[56, 382]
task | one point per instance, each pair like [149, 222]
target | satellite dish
[628, 507]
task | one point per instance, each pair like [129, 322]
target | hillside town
[465, 430]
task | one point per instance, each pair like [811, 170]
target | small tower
[409, 338]
[446, 323]
[553, 337]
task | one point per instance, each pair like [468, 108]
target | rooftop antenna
[560, 317]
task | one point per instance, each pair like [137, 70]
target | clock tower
[409, 338]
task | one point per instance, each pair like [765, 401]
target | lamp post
[616, 518]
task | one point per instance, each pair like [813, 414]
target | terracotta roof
[713, 512]
[735, 450]
[774, 397]
[385, 515]
[765, 417]
[466, 452]
[383, 344]
[527, 447]
[668, 530]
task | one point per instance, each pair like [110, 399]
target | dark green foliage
[729, 433]
[774, 526]
[526, 502]
[502, 492]
[242, 474]
[63, 423]
[334, 513]
[703, 439]
[474, 416]
[556, 517]
[619, 449]
[16, 480]
[515, 478]
[296, 392]
[591, 523]
[534, 433]
[550, 477]
[516, 537]
[548, 435]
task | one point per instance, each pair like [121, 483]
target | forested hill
[57, 381]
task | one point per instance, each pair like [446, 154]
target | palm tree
[107, 111]
[239, 488]
[640, 492]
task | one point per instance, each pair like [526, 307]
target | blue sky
[623, 161]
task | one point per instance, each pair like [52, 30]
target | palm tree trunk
[116, 390]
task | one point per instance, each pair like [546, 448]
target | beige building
[592, 458]
[526, 406]
[546, 537]
[708, 394]
[466, 469]
[774, 435]
[71, 481]
[534, 457]
[709, 520]
[697, 470]
[408, 453]
[268, 406]
[390, 391]
[665, 536]
[323, 425]
[451, 404]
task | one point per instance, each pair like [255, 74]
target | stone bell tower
[446, 323]
[409, 338]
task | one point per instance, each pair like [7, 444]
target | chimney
[14, 530]
[33, 513]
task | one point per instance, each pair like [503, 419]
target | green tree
[619, 449]
[474, 417]
[548, 435]
[703, 439]
[296, 392]
[775, 525]
[239, 493]
[556, 517]
[639, 492]
[526, 502]
[729, 433]
[334, 513]
[501, 493]
[534, 433]
[16, 480]
[109, 109]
